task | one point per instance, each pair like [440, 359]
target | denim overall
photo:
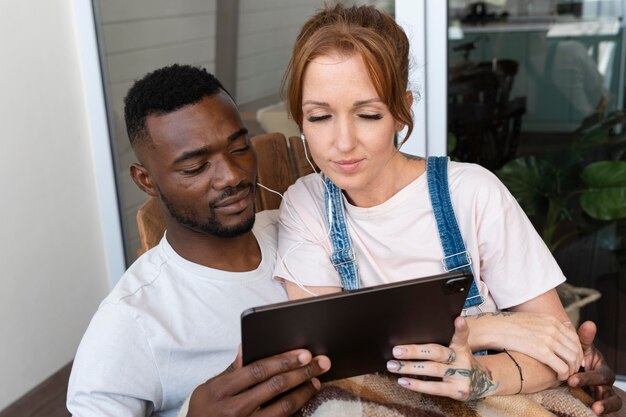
[456, 256]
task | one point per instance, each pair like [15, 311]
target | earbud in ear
[302, 137]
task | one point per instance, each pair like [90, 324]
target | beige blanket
[377, 395]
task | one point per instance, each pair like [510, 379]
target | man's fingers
[591, 378]
[263, 370]
[292, 401]
[237, 363]
[610, 404]
[283, 382]
[586, 334]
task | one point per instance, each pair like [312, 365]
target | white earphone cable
[283, 259]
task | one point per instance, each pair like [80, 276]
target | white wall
[54, 272]
[140, 36]
[267, 31]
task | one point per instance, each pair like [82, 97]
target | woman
[347, 90]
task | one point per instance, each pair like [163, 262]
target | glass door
[536, 94]
[534, 91]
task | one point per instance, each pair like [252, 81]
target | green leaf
[452, 142]
[605, 174]
[605, 203]
[606, 197]
[527, 178]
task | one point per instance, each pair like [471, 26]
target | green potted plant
[577, 191]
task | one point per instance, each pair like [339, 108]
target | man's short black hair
[163, 91]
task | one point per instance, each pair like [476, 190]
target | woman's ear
[141, 177]
[409, 98]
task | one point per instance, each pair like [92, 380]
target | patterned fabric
[378, 395]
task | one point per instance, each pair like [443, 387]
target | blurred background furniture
[483, 118]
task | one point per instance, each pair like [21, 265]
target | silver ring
[451, 357]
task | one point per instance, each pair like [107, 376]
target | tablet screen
[358, 329]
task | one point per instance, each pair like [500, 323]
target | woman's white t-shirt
[398, 239]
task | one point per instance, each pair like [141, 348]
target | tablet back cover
[358, 329]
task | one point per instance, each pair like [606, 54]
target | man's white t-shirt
[167, 326]
[398, 239]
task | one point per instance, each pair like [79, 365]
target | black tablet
[358, 329]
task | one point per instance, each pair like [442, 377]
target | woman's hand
[538, 335]
[462, 376]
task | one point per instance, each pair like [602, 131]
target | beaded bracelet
[519, 368]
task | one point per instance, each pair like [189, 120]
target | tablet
[358, 329]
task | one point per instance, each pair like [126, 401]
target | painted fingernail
[316, 383]
[393, 365]
[398, 351]
[404, 382]
[324, 363]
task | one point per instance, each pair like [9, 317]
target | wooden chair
[274, 169]
[151, 225]
[279, 164]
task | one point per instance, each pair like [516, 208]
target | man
[172, 321]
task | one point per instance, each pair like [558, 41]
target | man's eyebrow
[206, 149]
[241, 132]
[193, 154]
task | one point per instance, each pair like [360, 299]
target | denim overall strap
[342, 258]
[456, 256]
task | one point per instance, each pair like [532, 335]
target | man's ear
[141, 177]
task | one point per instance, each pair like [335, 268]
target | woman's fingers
[460, 375]
[424, 368]
[442, 389]
[438, 353]
[428, 352]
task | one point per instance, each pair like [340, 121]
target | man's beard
[210, 225]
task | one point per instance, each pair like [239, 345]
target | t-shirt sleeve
[114, 372]
[303, 244]
[515, 263]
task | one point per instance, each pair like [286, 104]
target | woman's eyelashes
[371, 116]
[314, 119]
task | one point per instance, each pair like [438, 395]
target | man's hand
[274, 386]
[597, 376]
